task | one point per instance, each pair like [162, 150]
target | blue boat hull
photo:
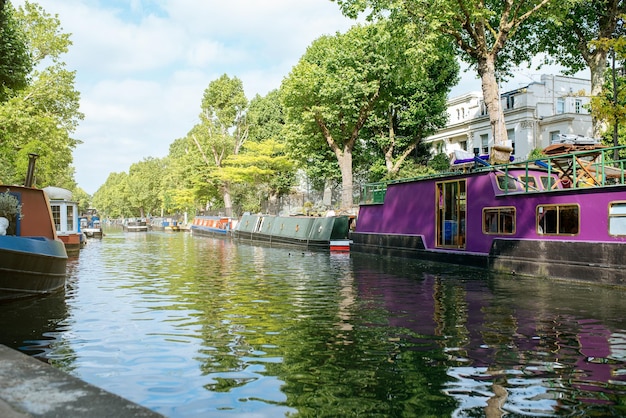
[31, 266]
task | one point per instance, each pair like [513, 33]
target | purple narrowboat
[563, 217]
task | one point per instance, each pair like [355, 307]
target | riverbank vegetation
[355, 108]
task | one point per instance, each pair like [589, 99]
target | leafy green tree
[144, 186]
[41, 117]
[610, 105]
[111, 199]
[344, 81]
[579, 40]
[221, 132]
[489, 34]
[15, 60]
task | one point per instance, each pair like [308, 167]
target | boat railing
[596, 167]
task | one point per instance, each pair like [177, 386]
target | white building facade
[534, 115]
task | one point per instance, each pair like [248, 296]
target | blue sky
[143, 65]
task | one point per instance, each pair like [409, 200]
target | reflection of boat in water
[562, 217]
[135, 225]
[214, 226]
[309, 232]
[32, 258]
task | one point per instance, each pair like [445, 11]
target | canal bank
[32, 388]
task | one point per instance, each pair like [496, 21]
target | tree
[40, 117]
[579, 40]
[610, 105]
[488, 34]
[222, 131]
[15, 60]
[342, 82]
[144, 185]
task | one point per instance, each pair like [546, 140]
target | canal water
[197, 327]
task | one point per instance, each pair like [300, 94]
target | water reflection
[191, 326]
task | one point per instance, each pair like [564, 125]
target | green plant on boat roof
[10, 206]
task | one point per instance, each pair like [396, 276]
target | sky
[142, 66]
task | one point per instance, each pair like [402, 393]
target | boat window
[528, 182]
[617, 218]
[558, 219]
[547, 182]
[56, 215]
[70, 218]
[506, 182]
[499, 220]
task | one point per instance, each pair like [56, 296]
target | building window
[510, 134]
[554, 136]
[617, 218]
[484, 144]
[560, 105]
[483, 108]
[463, 145]
[578, 105]
[499, 220]
[558, 219]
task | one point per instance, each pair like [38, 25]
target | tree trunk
[491, 94]
[597, 66]
[345, 165]
[228, 204]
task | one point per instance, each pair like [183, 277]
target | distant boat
[305, 232]
[33, 259]
[135, 225]
[65, 216]
[90, 224]
[164, 224]
[220, 226]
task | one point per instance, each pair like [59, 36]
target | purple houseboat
[563, 216]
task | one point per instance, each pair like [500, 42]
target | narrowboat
[562, 217]
[135, 225]
[90, 224]
[213, 226]
[164, 224]
[33, 259]
[305, 232]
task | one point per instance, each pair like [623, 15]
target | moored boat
[33, 259]
[90, 224]
[306, 232]
[563, 216]
[135, 225]
[65, 216]
[215, 226]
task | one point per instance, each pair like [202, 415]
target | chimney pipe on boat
[30, 174]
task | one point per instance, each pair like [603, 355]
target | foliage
[15, 60]
[40, 117]
[10, 206]
[490, 35]
[343, 92]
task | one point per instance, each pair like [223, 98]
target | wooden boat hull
[31, 266]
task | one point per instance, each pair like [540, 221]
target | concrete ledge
[32, 388]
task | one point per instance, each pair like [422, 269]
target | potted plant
[10, 212]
